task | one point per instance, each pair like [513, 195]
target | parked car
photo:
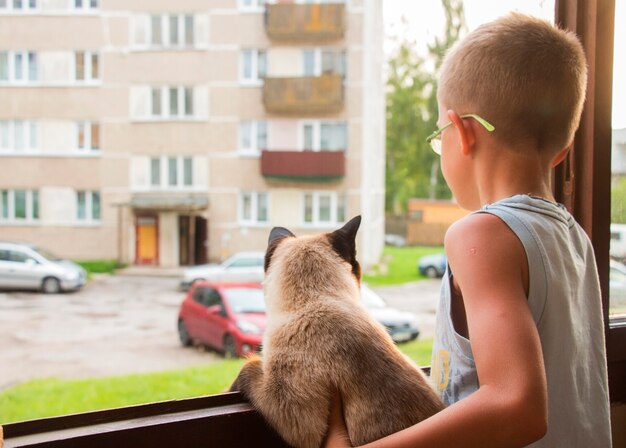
[239, 267]
[24, 266]
[433, 265]
[229, 317]
[395, 240]
[401, 325]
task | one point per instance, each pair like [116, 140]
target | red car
[229, 317]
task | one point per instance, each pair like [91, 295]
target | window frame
[90, 210]
[24, 65]
[88, 128]
[255, 127]
[337, 202]
[581, 182]
[164, 26]
[255, 79]
[32, 208]
[317, 134]
[185, 98]
[254, 208]
[27, 7]
[86, 6]
[163, 173]
[338, 53]
[88, 62]
[8, 131]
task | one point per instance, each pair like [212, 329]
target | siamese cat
[319, 338]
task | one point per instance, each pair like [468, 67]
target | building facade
[175, 132]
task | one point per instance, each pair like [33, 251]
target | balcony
[305, 23]
[303, 166]
[304, 95]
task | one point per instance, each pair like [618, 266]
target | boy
[519, 350]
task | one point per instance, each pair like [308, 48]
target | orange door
[147, 231]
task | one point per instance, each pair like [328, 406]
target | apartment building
[175, 132]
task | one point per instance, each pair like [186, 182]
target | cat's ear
[344, 243]
[276, 236]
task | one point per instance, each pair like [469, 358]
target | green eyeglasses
[435, 138]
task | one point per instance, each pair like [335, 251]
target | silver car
[23, 266]
[239, 267]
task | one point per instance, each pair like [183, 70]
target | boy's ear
[344, 243]
[466, 131]
[561, 155]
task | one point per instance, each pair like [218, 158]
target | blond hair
[524, 75]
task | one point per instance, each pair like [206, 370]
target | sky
[425, 20]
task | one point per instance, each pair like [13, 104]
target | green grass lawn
[399, 265]
[50, 397]
[99, 266]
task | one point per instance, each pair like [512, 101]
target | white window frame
[86, 5]
[254, 208]
[25, 66]
[336, 200]
[254, 6]
[255, 132]
[87, 129]
[30, 129]
[165, 103]
[28, 6]
[89, 209]
[317, 134]
[164, 173]
[10, 207]
[255, 79]
[164, 20]
[317, 59]
[88, 64]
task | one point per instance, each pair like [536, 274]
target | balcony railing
[303, 166]
[304, 95]
[315, 22]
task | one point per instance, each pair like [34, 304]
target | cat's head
[313, 263]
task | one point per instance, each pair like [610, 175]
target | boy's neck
[511, 173]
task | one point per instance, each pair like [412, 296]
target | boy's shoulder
[481, 236]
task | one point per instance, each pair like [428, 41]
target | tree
[412, 169]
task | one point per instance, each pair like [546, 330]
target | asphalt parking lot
[124, 324]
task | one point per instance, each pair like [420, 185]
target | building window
[18, 67]
[171, 172]
[19, 5]
[323, 208]
[155, 172]
[86, 66]
[252, 5]
[19, 136]
[252, 136]
[324, 136]
[317, 62]
[19, 205]
[87, 206]
[172, 102]
[253, 208]
[87, 136]
[172, 30]
[85, 5]
[253, 66]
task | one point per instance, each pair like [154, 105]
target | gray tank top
[564, 298]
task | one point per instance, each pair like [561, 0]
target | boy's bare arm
[510, 408]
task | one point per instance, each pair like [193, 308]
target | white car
[24, 266]
[401, 325]
[239, 267]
